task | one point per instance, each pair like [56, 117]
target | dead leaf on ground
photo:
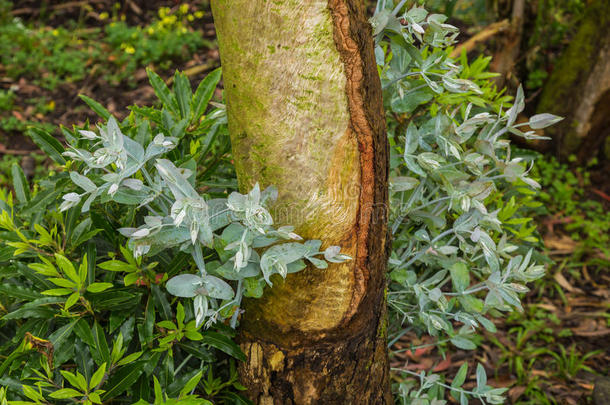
[561, 280]
[515, 392]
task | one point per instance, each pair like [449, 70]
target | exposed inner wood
[306, 115]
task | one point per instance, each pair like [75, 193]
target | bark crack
[349, 27]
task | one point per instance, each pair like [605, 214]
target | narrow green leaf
[15, 291]
[62, 282]
[66, 393]
[117, 265]
[99, 287]
[182, 88]
[47, 144]
[72, 299]
[20, 184]
[162, 91]
[83, 331]
[77, 380]
[96, 378]
[224, 344]
[204, 93]
[59, 338]
[100, 353]
[57, 292]
[481, 376]
[130, 358]
[161, 302]
[463, 343]
[96, 107]
[91, 257]
[191, 384]
[460, 276]
[32, 394]
[197, 350]
[123, 378]
[460, 377]
[67, 267]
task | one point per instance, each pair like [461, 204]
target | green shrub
[90, 256]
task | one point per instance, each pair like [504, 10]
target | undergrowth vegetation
[51, 57]
[123, 266]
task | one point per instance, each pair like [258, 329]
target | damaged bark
[306, 115]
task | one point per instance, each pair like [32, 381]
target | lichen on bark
[305, 114]
[288, 119]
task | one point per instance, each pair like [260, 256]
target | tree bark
[305, 114]
[579, 89]
[509, 46]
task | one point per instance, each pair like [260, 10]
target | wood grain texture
[306, 115]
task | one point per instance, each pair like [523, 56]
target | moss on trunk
[305, 114]
[579, 80]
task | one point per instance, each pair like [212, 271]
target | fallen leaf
[561, 280]
[515, 392]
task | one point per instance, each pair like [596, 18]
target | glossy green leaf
[204, 93]
[96, 107]
[47, 144]
[20, 184]
[224, 344]
[162, 91]
[123, 378]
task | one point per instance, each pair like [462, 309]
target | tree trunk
[509, 46]
[305, 114]
[579, 88]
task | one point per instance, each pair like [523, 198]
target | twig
[192, 71]
[481, 36]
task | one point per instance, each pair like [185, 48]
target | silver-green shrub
[462, 250]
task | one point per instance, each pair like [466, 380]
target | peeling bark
[306, 115]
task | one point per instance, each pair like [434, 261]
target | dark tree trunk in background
[579, 89]
[305, 114]
[508, 47]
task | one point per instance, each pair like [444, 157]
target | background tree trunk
[305, 114]
[579, 88]
[509, 46]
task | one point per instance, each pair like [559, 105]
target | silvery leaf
[200, 308]
[217, 288]
[83, 182]
[544, 120]
[184, 285]
[133, 184]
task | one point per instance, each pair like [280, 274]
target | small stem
[186, 359]
[436, 382]
[431, 244]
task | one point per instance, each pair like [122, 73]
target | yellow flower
[130, 49]
[163, 11]
[55, 33]
[198, 14]
[184, 8]
[190, 17]
[104, 15]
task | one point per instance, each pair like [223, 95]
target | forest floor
[551, 353]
